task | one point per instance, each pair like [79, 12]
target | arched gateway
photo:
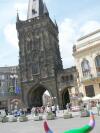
[35, 95]
[65, 97]
[32, 92]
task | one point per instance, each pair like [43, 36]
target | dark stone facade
[40, 59]
[40, 62]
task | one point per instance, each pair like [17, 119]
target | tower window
[71, 77]
[0, 83]
[33, 11]
[35, 68]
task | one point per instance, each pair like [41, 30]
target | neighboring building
[8, 82]
[87, 57]
[40, 63]
[67, 86]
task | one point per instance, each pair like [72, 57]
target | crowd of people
[45, 109]
[54, 109]
[89, 106]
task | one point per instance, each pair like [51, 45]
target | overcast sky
[75, 18]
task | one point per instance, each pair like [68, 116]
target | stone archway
[35, 96]
[65, 98]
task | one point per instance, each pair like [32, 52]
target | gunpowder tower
[39, 55]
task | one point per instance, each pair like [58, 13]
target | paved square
[58, 125]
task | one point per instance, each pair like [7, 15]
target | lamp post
[14, 81]
[14, 85]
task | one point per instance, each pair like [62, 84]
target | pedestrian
[98, 107]
[89, 106]
[57, 108]
[48, 109]
[53, 108]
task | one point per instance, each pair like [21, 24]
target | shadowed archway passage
[35, 96]
[65, 98]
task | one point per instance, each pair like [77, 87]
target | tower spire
[45, 11]
[36, 8]
[17, 16]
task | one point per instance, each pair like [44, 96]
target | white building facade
[87, 57]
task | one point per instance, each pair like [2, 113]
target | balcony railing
[89, 77]
[86, 78]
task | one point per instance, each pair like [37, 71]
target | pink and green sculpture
[85, 129]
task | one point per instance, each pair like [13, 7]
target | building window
[62, 78]
[97, 63]
[85, 68]
[33, 11]
[2, 77]
[71, 77]
[67, 78]
[89, 91]
[0, 83]
[99, 85]
[35, 68]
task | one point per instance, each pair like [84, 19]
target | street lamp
[14, 81]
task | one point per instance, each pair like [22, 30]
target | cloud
[67, 37]
[11, 34]
[22, 9]
[69, 32]
[89, 27]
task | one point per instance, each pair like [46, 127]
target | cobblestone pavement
[58, 125]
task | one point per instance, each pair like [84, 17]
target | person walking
[98, 107]
[53, 108]
[57, 108]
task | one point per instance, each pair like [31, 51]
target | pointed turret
[17, 18]
[45, 11]
[56, 24]
[36, 8]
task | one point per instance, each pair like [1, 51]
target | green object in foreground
[85, 129]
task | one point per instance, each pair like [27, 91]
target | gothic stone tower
[39, 56]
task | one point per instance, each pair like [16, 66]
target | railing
[86, 78]
[89, 77]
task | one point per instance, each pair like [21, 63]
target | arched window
[35, 68]
[97, 63]
[62, 78]
[71, 77]
[67, 78]
[85, 67]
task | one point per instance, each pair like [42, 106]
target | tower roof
[45, 10]
[36, 8]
